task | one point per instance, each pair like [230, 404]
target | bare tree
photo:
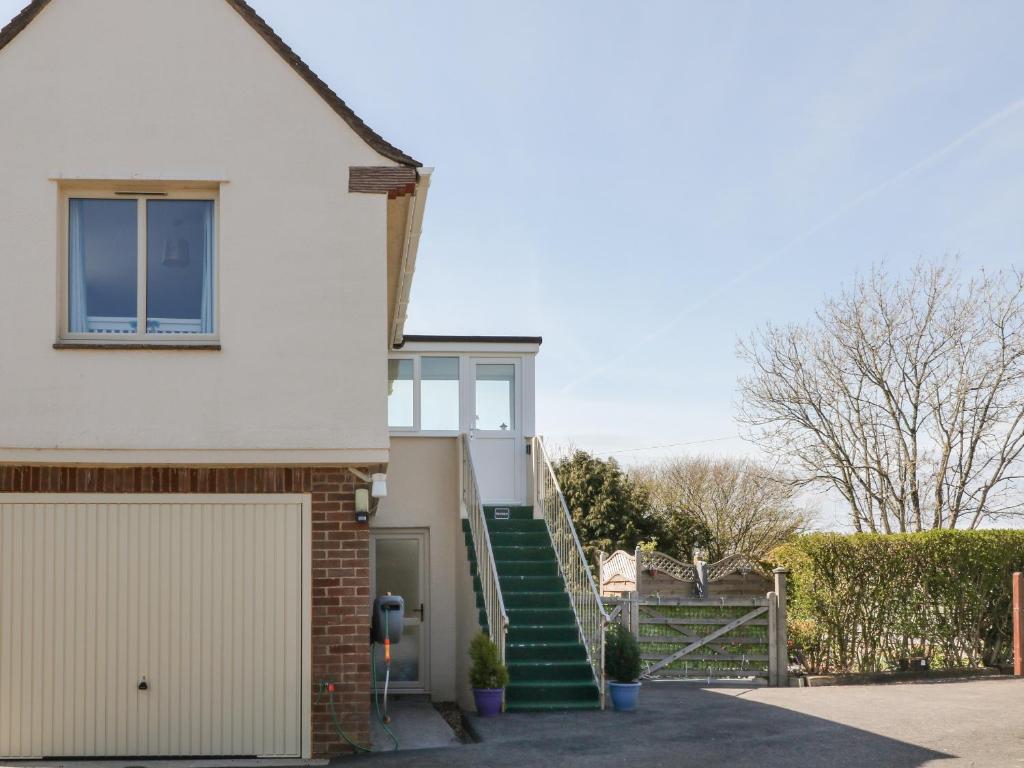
[736, 505]
[906, 396]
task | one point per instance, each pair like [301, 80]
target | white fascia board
[407, 269]
[463, 348]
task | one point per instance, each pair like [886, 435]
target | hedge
[871, 602]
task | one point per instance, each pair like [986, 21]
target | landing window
[401, 395]
[423, 394]
[439, 394]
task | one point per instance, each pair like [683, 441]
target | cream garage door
[153, 625]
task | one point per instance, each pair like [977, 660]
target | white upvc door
[399, 565]
[496, 398]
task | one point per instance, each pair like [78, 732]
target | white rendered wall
[423, 493]
[185, 89]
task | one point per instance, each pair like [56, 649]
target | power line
[671, 445]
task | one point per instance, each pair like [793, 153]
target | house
[217, 441]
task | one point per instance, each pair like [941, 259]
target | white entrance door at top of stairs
[497, 433]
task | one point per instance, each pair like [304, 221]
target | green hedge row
[871, 602]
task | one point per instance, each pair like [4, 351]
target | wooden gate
[709, 639]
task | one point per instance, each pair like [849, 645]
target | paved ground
[976, 723]
[416, 725]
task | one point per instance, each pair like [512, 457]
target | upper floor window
[140, 266]
[439, 394]
[423, 394]
[401, 396]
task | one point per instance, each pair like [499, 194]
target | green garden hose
[327, 688]
[334, 716]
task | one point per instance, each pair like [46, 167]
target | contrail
[931, 159]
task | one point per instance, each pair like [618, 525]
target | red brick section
[340, 563]
[394, 182]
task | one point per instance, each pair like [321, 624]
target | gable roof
[253, 19]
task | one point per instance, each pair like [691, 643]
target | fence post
[700, 569]
[638, 568]
[781, 635]
[1018, 624]
[773, 638]
[634, 614]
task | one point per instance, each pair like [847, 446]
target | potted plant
[622, 665]
[487, 675]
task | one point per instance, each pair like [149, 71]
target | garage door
[152, 625]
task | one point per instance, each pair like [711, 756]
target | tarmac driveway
[978, 723]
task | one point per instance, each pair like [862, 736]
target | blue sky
[643, 183]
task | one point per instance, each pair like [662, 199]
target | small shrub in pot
[622, 665]
[487, 675]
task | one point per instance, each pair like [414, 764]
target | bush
[621, 655]
[486, 670]
[868, 602]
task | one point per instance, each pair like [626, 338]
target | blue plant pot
[488, 701]
[624, 695]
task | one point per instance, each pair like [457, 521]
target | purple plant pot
[488, 701]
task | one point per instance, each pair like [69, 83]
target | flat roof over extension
[410, 338]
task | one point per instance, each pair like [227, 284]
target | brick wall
[340, 563]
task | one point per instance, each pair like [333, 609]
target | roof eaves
[367, 134]
[22, 20]
[414, 338]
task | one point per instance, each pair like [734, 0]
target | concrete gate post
[781, 635]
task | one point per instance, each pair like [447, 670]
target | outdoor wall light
[379, 487]
[362, 505]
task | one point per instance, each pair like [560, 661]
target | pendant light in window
[176, 251]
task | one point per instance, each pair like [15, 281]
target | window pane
[439, 393]
[179, 266]
[495, 393]
[102, 266]
[400, 393]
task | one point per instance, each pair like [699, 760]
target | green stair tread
[547, 663]
[550, 706]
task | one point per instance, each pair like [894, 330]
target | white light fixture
[379, 488]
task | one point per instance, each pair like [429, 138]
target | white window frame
[141, 193]
[417, 380]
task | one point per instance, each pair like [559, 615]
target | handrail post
[584, 596]
[487, 570]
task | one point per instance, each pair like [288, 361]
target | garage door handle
[421, 612]
[143, 686]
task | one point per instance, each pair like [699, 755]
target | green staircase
[547, 663]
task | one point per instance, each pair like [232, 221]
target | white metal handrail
[486, 568]
[591, 616]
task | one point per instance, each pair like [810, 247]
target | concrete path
[977, 723]
[416, 725]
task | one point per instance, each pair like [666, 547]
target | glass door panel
[399, 566]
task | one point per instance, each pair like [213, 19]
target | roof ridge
[248, 13]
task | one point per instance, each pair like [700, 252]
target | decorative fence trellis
[709, 639]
